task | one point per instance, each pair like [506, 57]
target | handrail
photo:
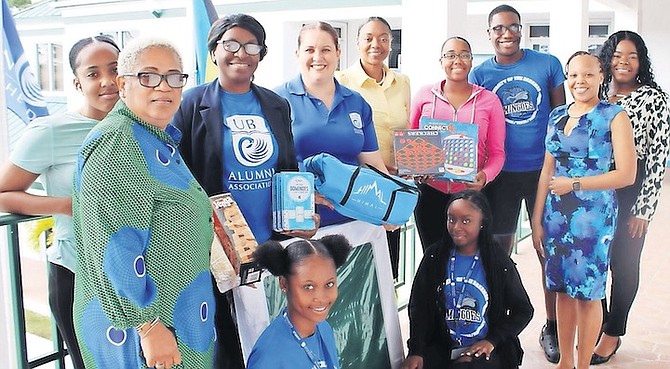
[11, 221]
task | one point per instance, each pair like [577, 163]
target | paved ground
[647, 343]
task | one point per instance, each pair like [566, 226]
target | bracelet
[140, 327]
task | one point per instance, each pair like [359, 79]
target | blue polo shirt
[344, 131]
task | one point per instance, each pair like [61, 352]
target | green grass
[39, 325]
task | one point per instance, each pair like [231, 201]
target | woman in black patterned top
[629, 82]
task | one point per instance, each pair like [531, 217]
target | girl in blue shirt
[300, 337]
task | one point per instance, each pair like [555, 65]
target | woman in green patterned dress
[143, 294]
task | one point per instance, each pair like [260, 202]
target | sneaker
[549, 344]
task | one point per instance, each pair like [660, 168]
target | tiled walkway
[647, 342]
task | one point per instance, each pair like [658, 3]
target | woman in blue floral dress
[576, 209]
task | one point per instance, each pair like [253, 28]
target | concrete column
[425, 26]
[568, 27]
[654, 30]
[625, 19]
[626, 15]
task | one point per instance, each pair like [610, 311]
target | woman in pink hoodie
[455, 99]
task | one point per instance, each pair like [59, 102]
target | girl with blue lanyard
[300, 337]
[467, 305]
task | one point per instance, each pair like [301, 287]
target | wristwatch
[576, 185]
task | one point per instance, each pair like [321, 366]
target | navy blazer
[200, 119]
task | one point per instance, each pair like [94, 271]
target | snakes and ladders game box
[418, 152]
[293, 201]
[459, 143]
[235, 238]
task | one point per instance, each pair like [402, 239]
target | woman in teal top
[48, 148]
[143, 292]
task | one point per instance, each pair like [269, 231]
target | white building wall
[654, 29]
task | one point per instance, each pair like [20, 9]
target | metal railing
[408, 264]
[11, 222]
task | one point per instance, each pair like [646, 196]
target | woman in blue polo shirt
[328, 117]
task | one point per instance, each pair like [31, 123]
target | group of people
[129, 280]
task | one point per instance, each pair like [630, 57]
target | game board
[459, 144]
[418, 152]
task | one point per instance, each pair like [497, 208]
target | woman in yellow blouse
[388, 94]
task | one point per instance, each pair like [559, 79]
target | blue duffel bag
[363, 193]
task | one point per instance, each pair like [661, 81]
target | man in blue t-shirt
[529, 85]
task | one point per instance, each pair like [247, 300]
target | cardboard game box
[418, 152]
[459, 143]
[293, 201]
[235, 238]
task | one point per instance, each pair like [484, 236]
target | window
[394, 55]
[598, 30]
[539, 31]
[597, 36]
[50, 66]
[122, 38]
[539, 37]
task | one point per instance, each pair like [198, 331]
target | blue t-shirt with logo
[250, 155]
[524, 88]
[344, 131]
[468, 324]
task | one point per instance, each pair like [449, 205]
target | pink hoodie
[482, 108]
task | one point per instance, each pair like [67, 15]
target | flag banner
[204, 15]
[22, 93]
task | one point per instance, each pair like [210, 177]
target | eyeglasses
[152, 80]
[233, 46]
[453, 56]
[500, 29]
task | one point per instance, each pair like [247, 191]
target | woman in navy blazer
[236, 135]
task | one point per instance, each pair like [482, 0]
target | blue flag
[22, 92]
[204, 14]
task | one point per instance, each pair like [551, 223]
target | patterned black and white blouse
[647, 108]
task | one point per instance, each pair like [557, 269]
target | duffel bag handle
[391, 178]
[350, 187]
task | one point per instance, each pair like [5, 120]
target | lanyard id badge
[318, 362]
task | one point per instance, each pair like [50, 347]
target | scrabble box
[235, 238]
[293, 201]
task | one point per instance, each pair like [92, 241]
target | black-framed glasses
[152, 80]
[233, 46]
[500, 29]
[453, 56]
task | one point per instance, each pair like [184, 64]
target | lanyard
[310, 354]
[457, 299]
